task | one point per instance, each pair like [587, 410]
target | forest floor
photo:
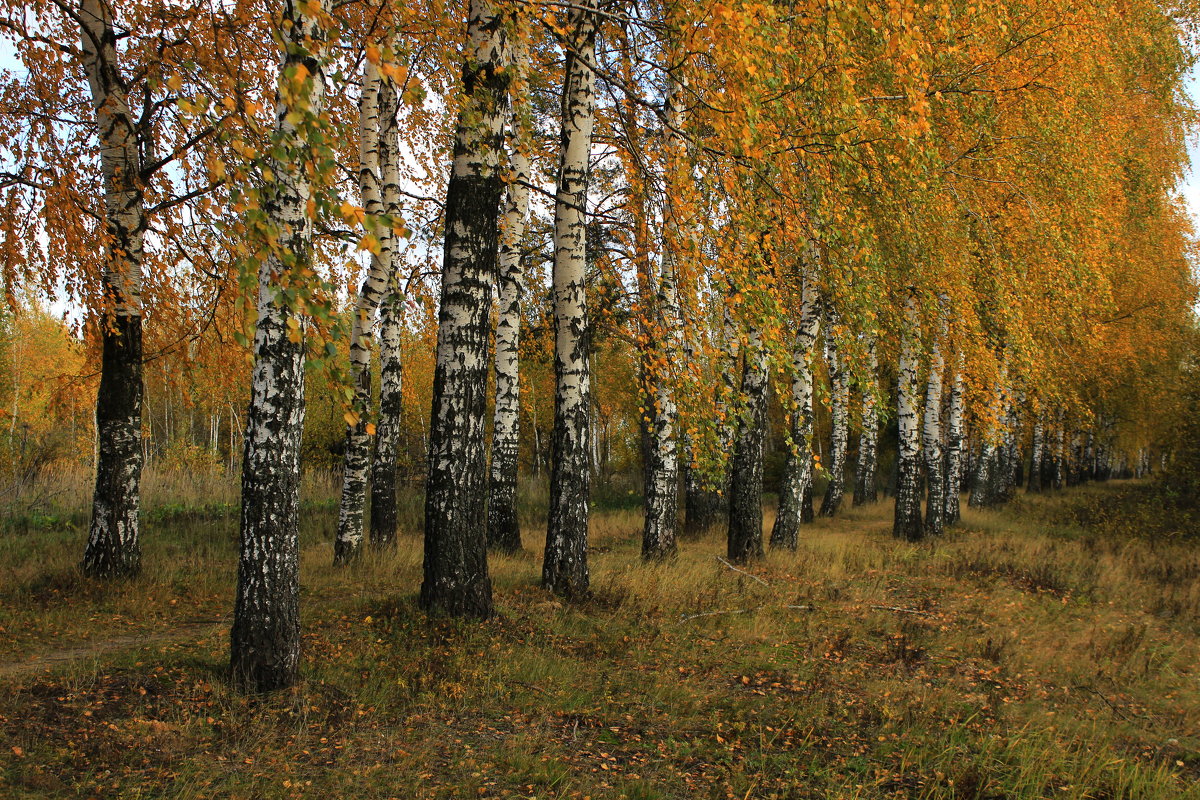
[1047, 650]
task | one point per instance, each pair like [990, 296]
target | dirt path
[95, 648]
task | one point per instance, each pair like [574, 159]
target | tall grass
[1020, 656]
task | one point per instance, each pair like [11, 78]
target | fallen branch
[1112, 706]
[534, 687]
[742, 571]
[899, 610]
[687, 617]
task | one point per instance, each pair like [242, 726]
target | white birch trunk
[455, 566]
[377, 116]
[113, 547]
[839, 406]
[954, 445]
[798, 461]
[565, 567]
[745, 539]
[865, 481]
[660, 528]
[907, 523]
[387, 429]
[932, 430]
[504, 530]
[265, 638]
[1037, 456]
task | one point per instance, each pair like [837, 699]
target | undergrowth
[1024, 655]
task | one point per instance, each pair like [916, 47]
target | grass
[1024, 655]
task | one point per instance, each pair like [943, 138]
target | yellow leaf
[370, 429]
[369, 242]
[351, 418]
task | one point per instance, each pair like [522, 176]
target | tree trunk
[706, 505]
[983, 481]
[113, 547]
[455, 566]
[907, 522]
[839, 401]
[504, 529]
[865, 482]
[798, 461]
[387, 429]
[935, 503]
[265, 639]
[661, 524]
[377, 114]
[565, 567]
[1037, 457]
[745, 539]
[954, 446]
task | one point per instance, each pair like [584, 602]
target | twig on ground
[534, 687]
[742, 571]
[899, 610]
[687, 617]
[1107, 702]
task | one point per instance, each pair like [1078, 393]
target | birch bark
[504, 530]
[455, 569]
[745, 539]
[907, 522]
[935, 503]
[565, 567]
[377, 115]
[954, 445]
[391, 322]
[839, 400]
[661, 524]
[265, 638]
[1036, 467]
[387, 429]
[113, 547]
[798, 461]
[865, 482]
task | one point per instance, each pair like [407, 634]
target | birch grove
[693, 232]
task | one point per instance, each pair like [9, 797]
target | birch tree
[865, 489]
[907, 524]
[931, 439]
[377, 168]
[797, 478]
[504, 530]
[388, 427]
[565, 567]
[954, 444]
[745, 537]
[113, 547]
[660, 527]
[265, 638]
[839, 404]
[455, 564]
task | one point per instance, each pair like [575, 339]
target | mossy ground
[1048, 650]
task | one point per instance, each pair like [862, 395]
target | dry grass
[1017, 657]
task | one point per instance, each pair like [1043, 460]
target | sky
[1190, 188]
